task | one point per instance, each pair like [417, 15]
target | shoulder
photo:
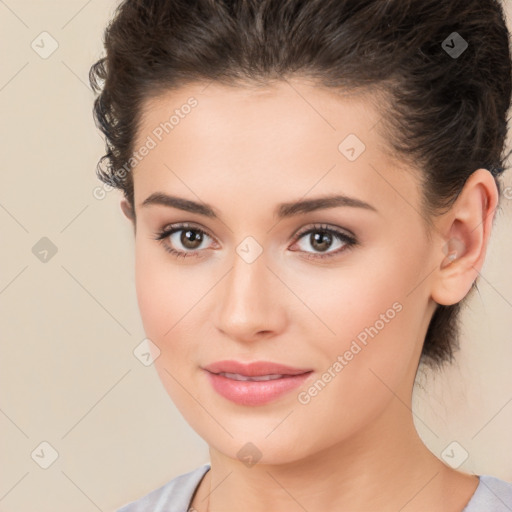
[491, 495]
[177, 493]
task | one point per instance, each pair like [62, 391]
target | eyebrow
[282, 210]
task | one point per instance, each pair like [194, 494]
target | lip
[254, 392]
[254, 368]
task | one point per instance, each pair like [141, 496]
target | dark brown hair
[444, 111]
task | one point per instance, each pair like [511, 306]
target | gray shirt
[491, 495]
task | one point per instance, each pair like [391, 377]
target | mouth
[254, 369]
[255, 383]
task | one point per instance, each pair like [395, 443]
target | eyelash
[349, 242]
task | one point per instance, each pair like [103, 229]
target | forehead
[279, 108]
[288, 136]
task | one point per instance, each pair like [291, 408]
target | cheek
[152, 292]
[161, 293]
[161, 296]
[163, 306]
[370, 357]
[370, 318]
[170, 299]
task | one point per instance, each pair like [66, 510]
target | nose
[249, 301]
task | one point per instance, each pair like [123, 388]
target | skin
[243, 151]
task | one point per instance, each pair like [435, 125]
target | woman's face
[350, 305]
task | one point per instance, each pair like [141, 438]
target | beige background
[69, 325]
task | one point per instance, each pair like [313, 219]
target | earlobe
[466, 230]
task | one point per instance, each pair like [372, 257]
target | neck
[384, 467]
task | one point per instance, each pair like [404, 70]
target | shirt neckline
[206, 467]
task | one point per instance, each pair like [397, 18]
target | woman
[312, 187]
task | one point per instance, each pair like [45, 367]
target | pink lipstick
[254, 383]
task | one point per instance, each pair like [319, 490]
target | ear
[127, 210]
[465, 232]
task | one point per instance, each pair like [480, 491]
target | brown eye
[320, 240]
[190, 238]
[183, 240]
